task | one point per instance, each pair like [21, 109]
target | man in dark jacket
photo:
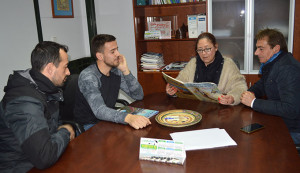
[279, 82]
[30, 135]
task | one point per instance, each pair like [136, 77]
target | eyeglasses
[207, 50]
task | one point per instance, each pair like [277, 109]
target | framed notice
[62, 8]
[163, 26]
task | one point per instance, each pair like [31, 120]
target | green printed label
[146, 146]
[178, 142]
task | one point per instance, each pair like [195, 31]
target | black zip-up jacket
[280, 83]
[29, 118]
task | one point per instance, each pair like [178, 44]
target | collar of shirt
[270, 60]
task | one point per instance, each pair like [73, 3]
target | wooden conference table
[110, 147]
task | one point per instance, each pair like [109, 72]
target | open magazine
[138, 111]
[204, 91]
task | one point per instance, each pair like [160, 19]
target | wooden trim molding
[296, 44]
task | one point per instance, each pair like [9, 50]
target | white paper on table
[203, 139]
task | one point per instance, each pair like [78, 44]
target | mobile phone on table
[252, 128]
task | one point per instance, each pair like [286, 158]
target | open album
[204, 91]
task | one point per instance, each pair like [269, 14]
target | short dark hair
[98, 42]
[274, 36]
[208, 36]
[44, 53]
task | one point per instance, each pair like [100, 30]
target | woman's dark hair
[208, 36]
[98, 42]
[46, 52]
[274, 37]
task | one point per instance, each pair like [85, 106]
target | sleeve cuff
[252, 103]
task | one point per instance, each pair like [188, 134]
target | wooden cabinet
[172, 49]
[153, 82]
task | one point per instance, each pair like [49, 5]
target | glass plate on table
[178, 118]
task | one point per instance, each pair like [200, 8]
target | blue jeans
[295, 137]
[87, 126]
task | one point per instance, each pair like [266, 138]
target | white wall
[72, 32]
[115, 17]
[18, 31]
[18, 36]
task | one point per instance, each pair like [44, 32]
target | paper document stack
[161, 150]
[151, 61]
[203, 139]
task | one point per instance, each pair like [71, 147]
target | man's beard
[57, 82]
[111, 64]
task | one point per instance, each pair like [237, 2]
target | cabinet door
[236, 22]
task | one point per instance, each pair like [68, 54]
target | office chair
[120, 103]
[236, 63]
[69, 90]
[67, 106]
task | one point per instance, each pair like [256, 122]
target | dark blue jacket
[280, 83]
[29, 118]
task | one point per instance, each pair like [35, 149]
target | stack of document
[151, 61]
[203, 139]
[178, 65]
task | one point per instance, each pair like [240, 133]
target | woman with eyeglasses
[210, 66]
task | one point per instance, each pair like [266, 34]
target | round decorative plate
[178, 118]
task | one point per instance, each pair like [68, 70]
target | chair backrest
[69, 92]
[77, 65]
[237, 63]
[67, 106]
